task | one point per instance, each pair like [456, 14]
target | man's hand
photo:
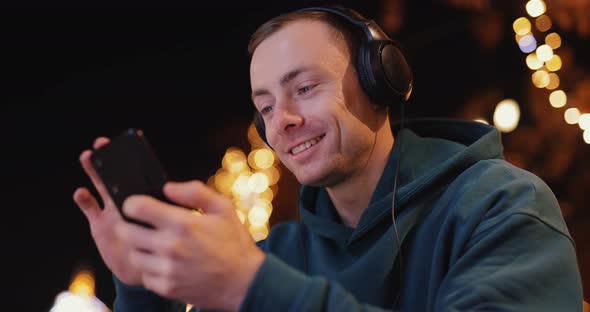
[103, 222]
[207, 260]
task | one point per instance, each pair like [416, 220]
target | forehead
[299, 43]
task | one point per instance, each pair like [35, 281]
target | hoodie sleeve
[279, 287]
[520, 257]
[139, 299]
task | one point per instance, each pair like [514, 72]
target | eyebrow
[285, 79]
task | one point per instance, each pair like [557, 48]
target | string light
[535, 8]
[251, 182]
[558, 98]
[544, 61]
[507, 115]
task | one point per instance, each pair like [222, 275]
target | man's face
[316, 115]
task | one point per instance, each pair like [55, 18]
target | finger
[87, 203]
[197, 195]
[148, 263]
[100, 142]
[155, 212]
[137, 236]
[89, 169]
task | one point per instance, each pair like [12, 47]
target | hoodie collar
[431, 150]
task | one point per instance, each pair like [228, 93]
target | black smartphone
[128, 165]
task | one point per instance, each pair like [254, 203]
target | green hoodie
[476, 233]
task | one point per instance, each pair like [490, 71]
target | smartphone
[127, 166]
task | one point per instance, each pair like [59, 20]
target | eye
[266, 109]
[305, 89]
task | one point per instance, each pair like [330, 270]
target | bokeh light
[572, 115]
[558, 98]
[507, 115]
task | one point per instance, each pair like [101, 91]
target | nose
[288, 120]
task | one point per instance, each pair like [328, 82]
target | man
[476, 233]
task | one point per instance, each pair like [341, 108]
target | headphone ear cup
[260, 127]
[397, 75]
[389, 77]
[365, 73]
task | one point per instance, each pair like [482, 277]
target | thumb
[197, 195]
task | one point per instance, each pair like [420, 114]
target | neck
[352, 196]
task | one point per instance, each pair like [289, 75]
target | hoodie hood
[432, 151]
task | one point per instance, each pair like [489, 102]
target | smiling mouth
[306, 145]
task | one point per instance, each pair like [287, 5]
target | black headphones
[383, 71]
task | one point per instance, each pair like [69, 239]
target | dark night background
[179, 70]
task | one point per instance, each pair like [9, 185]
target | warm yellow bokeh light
[535, 8]
[240, 185]
[554, 64]
[553, 82]
[267, 194]
[584, 121]
[540, 79]
[553, 40]
[544, 53]
[257, 216]
[507, 115]
[481, 120]
[558, 98]
[83, 284]
[264, 158]
[543, 23]
[572, 115]
[272, 174]
[533, 62]
[224, 181]
[265, 204]
[521, 26]
[234, 160]
[258, 232]
[587, 136]
[257, 183]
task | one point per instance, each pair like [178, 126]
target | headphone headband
[382, 69]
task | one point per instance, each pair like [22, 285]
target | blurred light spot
[68, 302]
[257, 183]
[83, 284]
[258, 216]
[258, 232]
[553, 40]
[264, 158]
[533, 62]
[554, 64]
[587, 136]
[224, 181]
[506, 115]
[535, 8]
[272, 174]
[540, 79]
[572, 115]
[240, 185]
[558, 99]
[543, 23]
[234, 160]
[553, 82]
[265, 204]
[544, 53]
[521, 26]
[527, 43]
[267, 194]
[584, 121]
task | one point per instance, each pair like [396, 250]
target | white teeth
[305, 145]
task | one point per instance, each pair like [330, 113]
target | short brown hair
[343, 30]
